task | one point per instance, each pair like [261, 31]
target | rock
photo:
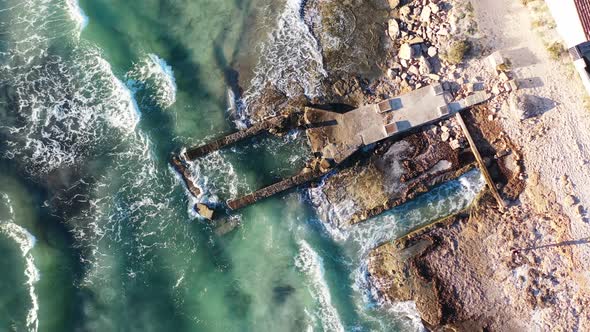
[570, 200]
[434, 77]
[414, 70]
[445, 136]
[325, 165]
[496, 89]
[444, 129]
[432, 51]
[405, 52]
[434, 8]
[393, 29]
[393, 3]
[204, 211]
[425, 14]
[405, 11]
[469, 87]
[425, 67]
[455, 144]
[513, 85]
[391, 73]
[496, 60]
[443, 32]
[580, 210]
[503, 77]
[416, 40]
[519, 107]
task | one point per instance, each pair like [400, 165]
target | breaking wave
[60, 103]
[442, 201]
[26, 242]
[291, 59]
[77, 14]
[153, 81]
[310, 263]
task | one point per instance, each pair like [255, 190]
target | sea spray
[291, 59]
[310, 263]
[77, 14]
[442, 201]
[26, 242]
[153, 80]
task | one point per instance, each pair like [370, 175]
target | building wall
[568, 22]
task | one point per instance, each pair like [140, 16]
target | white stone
[432, 51]
[414, 70]
[393, 3]
[425, 14]
[405, 52]
[393, 29]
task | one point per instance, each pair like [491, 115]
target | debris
[204, 211]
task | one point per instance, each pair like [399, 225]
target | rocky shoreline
[480, 269]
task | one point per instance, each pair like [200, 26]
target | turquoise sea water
[95, 228]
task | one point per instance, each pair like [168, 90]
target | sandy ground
[556, 141]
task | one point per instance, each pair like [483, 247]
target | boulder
[434, 77]
[425, 66]
[434, 8]
[445, 136]
[570, 200]
[393, 3]
[405, 52]
[519, 107]
[432, 51]
[405, 11]
[393, 29]
[204, 211]
[425, 14]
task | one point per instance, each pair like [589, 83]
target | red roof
[583, 7]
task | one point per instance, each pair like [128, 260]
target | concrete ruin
[334, 137]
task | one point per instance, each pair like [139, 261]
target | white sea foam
[407, 314]
[60, 107]
[77, 14]
[26, 241]
[310, 263]
[291, 59]
[442, 201]
[155, 76]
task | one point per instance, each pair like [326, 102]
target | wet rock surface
[486, 271]
[397, 170]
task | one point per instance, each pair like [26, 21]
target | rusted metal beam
[482, 165]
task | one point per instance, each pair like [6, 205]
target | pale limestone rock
[432, 51]
[425, 14]
[405, 52]
[393, 29]
[393, 3]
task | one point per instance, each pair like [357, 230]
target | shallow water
[96, 229]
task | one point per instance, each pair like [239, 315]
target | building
[573, 24]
